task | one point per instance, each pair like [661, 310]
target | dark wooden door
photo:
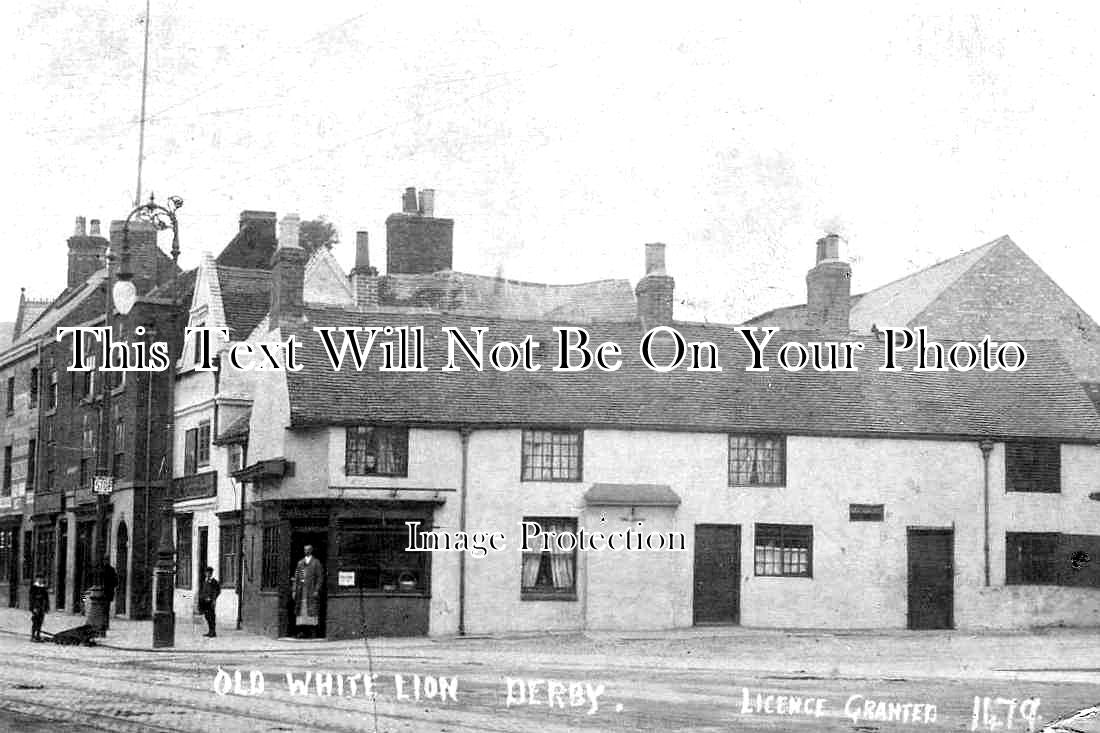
[62, 563]
[931, 579]
[122, 566]
[717, 574]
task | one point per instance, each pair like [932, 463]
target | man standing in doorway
[308, 580]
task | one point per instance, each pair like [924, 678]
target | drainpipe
[464, 433]
[987, 448]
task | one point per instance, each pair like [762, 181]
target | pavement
[687, 679]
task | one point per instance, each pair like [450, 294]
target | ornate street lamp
[124, 295]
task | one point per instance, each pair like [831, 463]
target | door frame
[910, 532]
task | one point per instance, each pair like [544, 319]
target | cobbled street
[721, 680]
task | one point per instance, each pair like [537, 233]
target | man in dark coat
[208, 598]
[110, 583]
[308, 580]
[40, 602]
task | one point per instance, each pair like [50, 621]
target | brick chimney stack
[655, 291]
[364, 278]
[288, 271]
[85, 253]
[416, 241]
[829, 289]
[144, 255]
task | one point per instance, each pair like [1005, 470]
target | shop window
[229, 537]
[269, 569]
[377, 451]
[376, 554]
[757, 460]
[184, 549]
[1033, 467]
[1030, 558]
[551, 455]
[28, 555]
[784, 550]
[6, 539]
[43, 554]
[550, 574]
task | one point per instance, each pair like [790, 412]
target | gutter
[987, 448]
[464, 433]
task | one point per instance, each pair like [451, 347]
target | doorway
[62, 563]
[85, 531]
[122, 565]
[931, 579]
[317, 537]
[717, 595]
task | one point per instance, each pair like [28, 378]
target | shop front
[371, 585]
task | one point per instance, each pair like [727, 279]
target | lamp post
[161, 218]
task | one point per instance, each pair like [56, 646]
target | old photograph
[585, 367]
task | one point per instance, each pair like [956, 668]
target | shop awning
[268, 468]
[631, 495]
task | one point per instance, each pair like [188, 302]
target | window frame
[9, 456]
[228, 550]
[361, 439]
[527, 465]
[784, 532]
[185, 550]
[539, 592]
[1025, 479]
[11, 394]
[270, 556]
[1021, 572]
[756, 438]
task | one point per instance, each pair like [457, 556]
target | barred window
[7, 537]
[757, 460]
[28, 554]
[229, 538]
[269, 568]
[551, 455]
[377, 451]
[43, 555]
[1033, 467]
[550, 575]
[1030, 558]
[784, 550]
[184, 549]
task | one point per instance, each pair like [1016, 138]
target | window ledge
[548, 596]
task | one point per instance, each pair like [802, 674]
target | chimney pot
[78, 230]
[828, 248]
[290, 229]
[427, 202]
[655, 258]
[408, 201]
[95, 228]
[362, 250]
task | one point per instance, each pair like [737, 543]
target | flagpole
[144, 84]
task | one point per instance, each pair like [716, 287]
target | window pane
[380, 451]
[784, 550]
[757, 460]
[552, 572]
[551, 455]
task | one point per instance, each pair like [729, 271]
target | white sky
[563, 138]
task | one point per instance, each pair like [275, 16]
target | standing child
[40, 601]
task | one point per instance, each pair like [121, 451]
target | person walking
[208, 599]
[40, 602]
[110, 585]
[308, 580]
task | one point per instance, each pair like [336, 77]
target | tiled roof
[184, 287]
[1092, 389]
[601, 300]
[1042, 400]
[246, 298]
[237, 431]
[894, 304]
